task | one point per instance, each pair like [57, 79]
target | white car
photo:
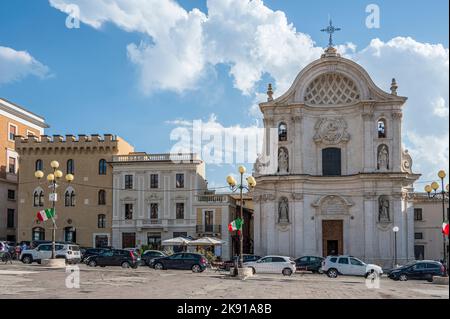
[273, 265]
[44, 251]
[348, 265]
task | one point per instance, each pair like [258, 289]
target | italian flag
[235, 225]
[43, 215]
[445, 228]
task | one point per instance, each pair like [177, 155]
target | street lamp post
[52, 177]
[395, 230]
[444, 194]
[251, 183]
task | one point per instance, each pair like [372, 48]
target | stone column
[296, 142]
[368, 152]
[370, 214]
[257, 216]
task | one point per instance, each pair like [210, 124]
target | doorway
[332, 237]
[128, 240]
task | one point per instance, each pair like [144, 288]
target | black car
[309, 263]
[88, 252]
[192, 261]
[114, 257]
[422, 270]
[148, 255]
[247, 258]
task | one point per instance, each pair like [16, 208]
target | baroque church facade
[334, 178]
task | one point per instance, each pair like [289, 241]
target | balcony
[208, 229]
[152, 222]
[166, 157]
[213, 198]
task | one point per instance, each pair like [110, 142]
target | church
[334, 178]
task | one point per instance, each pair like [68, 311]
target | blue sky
[86, 82]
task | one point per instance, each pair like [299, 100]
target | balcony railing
[152, 221]
[167, 157]
[215, 198]
[208, 229]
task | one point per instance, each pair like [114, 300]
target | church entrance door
[332, 237]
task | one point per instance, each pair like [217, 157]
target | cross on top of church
[330, 30]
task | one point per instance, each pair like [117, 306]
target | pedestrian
[18, 251]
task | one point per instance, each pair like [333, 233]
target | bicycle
[7, 257]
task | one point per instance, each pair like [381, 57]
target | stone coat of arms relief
[331, 131]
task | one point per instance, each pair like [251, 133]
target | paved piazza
[33, 281]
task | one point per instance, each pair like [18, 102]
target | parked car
[247, 258]
[273, 265]
[193, 261]
[420, 269]
[348, 265]
[148, 255]
[44, 251]
[115, 257]
[309, 263]
[92, 252]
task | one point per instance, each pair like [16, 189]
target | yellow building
[84, 206]
[14, 120]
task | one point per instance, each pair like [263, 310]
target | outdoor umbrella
[177, 241]
[206, 241]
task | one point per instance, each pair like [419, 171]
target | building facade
[428, 219]
[14, 120]
[339, 180]
[154, 197]
[84, 206]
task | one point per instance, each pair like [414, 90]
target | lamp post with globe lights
[52, 178]
[432, 191]
[234, 186]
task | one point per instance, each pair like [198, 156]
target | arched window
[38, 233]
[69, 197]
[102, 197]
[38, 165]
[102, 167]
[381, 128]
[331, 161]
[38, 198]
[282, 132]
[70, 234]
[70, 167]
[101, 221]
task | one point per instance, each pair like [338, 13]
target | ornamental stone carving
[283, 160]
[297, 196]
[383, 210]
[406, 162]
[383, 157]
[283, 210]
[331, 131]
[331, 88]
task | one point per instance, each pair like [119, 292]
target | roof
[23, 113]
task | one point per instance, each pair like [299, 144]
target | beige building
[428, 239]
[154, 196]
[215, 212]
[84, 206]
[14, 120]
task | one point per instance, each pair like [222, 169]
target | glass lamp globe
[242, 169]
[50, 177]
[435, 185]
[58, 174]
[395, 229]
[230, 180]
[54, 164]
[69, 177]
[428, 189]
[441, 174]
[39, 174]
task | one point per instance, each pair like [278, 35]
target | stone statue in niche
[383, 210]
[283, 160]
[283, 210]
[383, 157]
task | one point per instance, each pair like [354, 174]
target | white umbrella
[206, 241]
[177, 241]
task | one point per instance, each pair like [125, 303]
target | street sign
[53, 197]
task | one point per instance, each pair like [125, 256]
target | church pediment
[334, 81]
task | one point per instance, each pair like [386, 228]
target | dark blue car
[422, 270]
[187, 261]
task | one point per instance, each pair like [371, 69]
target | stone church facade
[336, 180]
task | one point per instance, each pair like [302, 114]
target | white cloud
[15, 65]
[440, 107]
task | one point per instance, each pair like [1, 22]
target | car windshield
[74, 248]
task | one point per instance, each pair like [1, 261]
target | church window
[282, 132]
[381, 127]
[331, 161]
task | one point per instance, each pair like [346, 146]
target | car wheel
[92, 263]
[332, 273]
[27, 260]
[403, 277]
[287, 272]
[125, 264]
[196, 268]
[320, 271]
[159, 266]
